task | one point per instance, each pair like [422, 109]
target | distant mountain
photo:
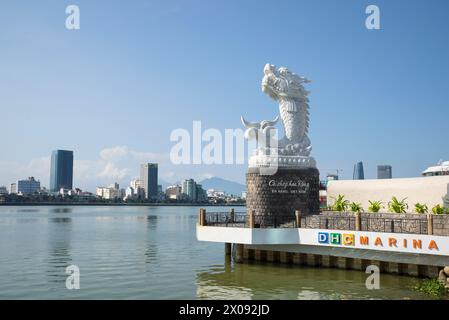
[230, 187]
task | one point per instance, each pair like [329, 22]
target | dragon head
[281, 83]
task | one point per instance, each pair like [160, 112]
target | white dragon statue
[287, 89]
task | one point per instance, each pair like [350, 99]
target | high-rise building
[189, 189]
[148, 180]
[3, 190]
[28, 186]
[201, 194]
[384, 172]
[61, 171]
[358, 171]
[13, 188]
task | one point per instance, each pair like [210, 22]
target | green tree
[421, 208]
[340, 203]
[397, 206]
[374, 206]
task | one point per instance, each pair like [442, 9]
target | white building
[129, 193]
[432, 190]
[136, 185]
[173, 192]
[441, 169]
[13, 188]
[110, 193]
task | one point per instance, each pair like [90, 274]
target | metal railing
[226, 219]
[372, 224]
[242, 220]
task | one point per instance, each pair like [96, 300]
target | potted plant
[340, 203]
[438, 209]
[397, 206]
[421, 208]
[356, 207]
[374, 206]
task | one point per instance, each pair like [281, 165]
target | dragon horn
[273, 122]
[249, 124]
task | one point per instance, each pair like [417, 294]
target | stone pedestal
[282, 193]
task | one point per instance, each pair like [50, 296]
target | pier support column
[403, 268]
[273, 256]
[228, 248]
[239, 253]
[432, 271]
[326, 261]
[285, 257]
[428, 271]
[393, 267]
[412, 270]
[245, 253]
[296, 258]
[313, 260]
[343, 263]
[260, 255]
[357, 264]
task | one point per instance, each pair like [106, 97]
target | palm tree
[375, 206]
[340, 203]
[397, 206]
[421, 208]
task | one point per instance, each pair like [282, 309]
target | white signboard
[395, 242]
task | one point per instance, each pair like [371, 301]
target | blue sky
[115, 89]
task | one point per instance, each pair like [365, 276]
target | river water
[152, 253]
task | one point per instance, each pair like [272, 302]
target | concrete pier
[246, 253]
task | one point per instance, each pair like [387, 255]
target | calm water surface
[152, 253]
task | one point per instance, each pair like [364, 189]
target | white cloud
[114, 153]
[110, 171]
[115, 164]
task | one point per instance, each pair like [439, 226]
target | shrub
[374, 206]
[356, 207]
[438, 209]
[340, 203]
[431, 286]
[421, 208]
[397, 206]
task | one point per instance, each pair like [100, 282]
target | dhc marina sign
[378, 241]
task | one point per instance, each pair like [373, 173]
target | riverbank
[122, 204]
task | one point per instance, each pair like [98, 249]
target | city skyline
[103, 77]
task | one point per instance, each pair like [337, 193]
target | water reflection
[151, 250]
[276, 281]
[61, 210]
[59, 246]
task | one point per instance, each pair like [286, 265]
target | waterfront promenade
[410, 244]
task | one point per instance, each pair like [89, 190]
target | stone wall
[377, 222]
[284, 192]
[441, 225]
